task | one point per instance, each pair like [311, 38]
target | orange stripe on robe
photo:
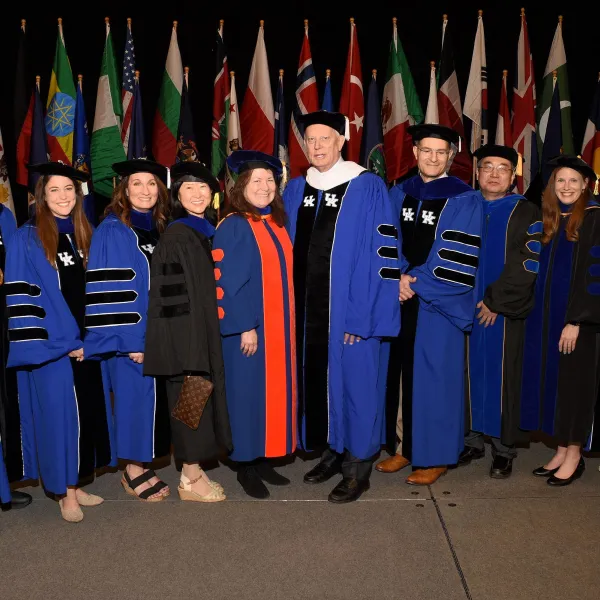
[277, 360]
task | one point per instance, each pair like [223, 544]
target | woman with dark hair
[64, 399]
[182, 335]
[118, 280]
[253, 256]
[562, 350]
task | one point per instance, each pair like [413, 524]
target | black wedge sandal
[129, 486]
[161, 485]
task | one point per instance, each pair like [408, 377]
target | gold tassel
[596, 185]
[284, 176]
[519, 165]
[216, 203]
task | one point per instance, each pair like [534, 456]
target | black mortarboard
[572, 162]
[141, 165]
[506, 152]
[432, 130]
[335, 120]
[243, 160]
[58, 168]
[195, 169]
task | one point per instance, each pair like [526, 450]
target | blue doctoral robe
[253, 270]
[10, 438]
[508, 265]
[117, 286]
[63, 403]
[346, 272]
[441, 225]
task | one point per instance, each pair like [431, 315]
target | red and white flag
[432, 114]
[503, 132]
[306, 101]
[257, 118]
[352, 103]
[524, 106]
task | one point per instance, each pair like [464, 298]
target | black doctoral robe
[183, 337]
[508, 266]
[560, 391]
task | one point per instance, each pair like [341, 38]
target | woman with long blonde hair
[63, 398]
[560, 371]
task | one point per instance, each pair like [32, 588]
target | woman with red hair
[561, 376]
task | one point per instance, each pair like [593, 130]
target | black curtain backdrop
[419, 28]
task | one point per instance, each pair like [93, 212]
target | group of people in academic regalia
[334, 317]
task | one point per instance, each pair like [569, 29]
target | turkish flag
[352, 103]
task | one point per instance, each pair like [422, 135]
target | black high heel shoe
[557, 482]
[543, 472]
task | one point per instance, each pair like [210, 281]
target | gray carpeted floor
[467, 536]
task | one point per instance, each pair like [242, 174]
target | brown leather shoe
[392, 464]
[426, 476]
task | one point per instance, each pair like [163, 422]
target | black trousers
[352, 467]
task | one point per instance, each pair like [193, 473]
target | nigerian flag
[557, 61]
[107, 147]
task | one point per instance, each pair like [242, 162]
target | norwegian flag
[523, 115]
[306, 100]
[128, 86]
[257, 117]
[503, 132]
[352, 103]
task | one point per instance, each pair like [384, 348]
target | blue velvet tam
[244, 160]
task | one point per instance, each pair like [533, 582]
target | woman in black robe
[183, 336]
[562, 349]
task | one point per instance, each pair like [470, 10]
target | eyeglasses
[500, 169]
[427, 152]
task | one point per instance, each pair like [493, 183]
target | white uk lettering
[408, 214]
[148, 248]
[66, 258]
[331, 200]
[428, 217]
[309, 201]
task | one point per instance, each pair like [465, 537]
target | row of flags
[58, 130]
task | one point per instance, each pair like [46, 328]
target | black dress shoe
[557, 482]
[543, 472]
[323, 471]
[252, 483]
[501, 467]
[18, 500]
[348, 490]
[469, 454]
[270, 475]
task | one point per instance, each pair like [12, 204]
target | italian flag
[166, 119]
[107, 146]
[400, 108]
[60, 107]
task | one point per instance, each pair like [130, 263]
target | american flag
[128, 86]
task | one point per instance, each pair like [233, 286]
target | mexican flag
[166, 118]
[400, 108]
[107, 146]
[60, 107]
[557, 61]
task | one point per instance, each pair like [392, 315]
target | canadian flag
[352, 103]
[257, 117]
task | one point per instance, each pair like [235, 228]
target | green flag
[557, 61]
[107, 146]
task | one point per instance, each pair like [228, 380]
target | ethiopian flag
[60, 108]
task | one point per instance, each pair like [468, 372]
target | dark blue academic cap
[572, 162]
[244, 160]
[195, 169]
[335, 120]
[59, 168]
[141, 165]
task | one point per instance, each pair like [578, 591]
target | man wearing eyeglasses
[440, 219]
[508, 266]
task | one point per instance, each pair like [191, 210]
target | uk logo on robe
[428, 217]
[148, 248]
[66, 258]
[309, 201]
[331, 200]
[408, 214]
